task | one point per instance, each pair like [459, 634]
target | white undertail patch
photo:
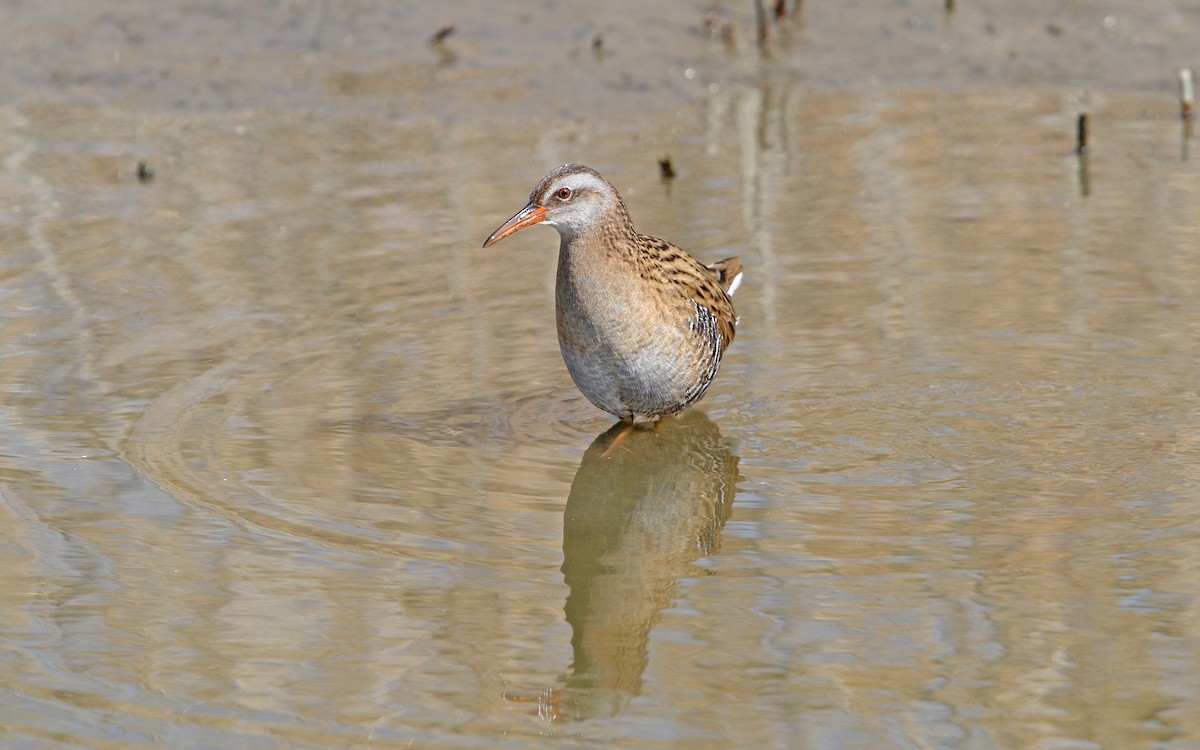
[733, 285]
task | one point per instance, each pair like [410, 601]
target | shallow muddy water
[290, 461]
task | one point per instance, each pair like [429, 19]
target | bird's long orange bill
[527, 216]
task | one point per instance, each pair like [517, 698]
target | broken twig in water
[1186, 94]
[1081, 148]
[760, 14]
[438, 43]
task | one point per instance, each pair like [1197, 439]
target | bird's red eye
[563, 193]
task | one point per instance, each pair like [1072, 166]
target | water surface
[291, 462]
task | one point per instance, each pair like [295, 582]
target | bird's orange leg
[627, 427]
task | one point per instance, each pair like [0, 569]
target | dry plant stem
[1186, 93]
[760, 14]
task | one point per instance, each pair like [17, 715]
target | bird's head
[572, 199]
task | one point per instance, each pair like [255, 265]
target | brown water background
[288, 461]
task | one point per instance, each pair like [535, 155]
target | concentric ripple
[304, 440]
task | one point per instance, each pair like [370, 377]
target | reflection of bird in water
[635, 520]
